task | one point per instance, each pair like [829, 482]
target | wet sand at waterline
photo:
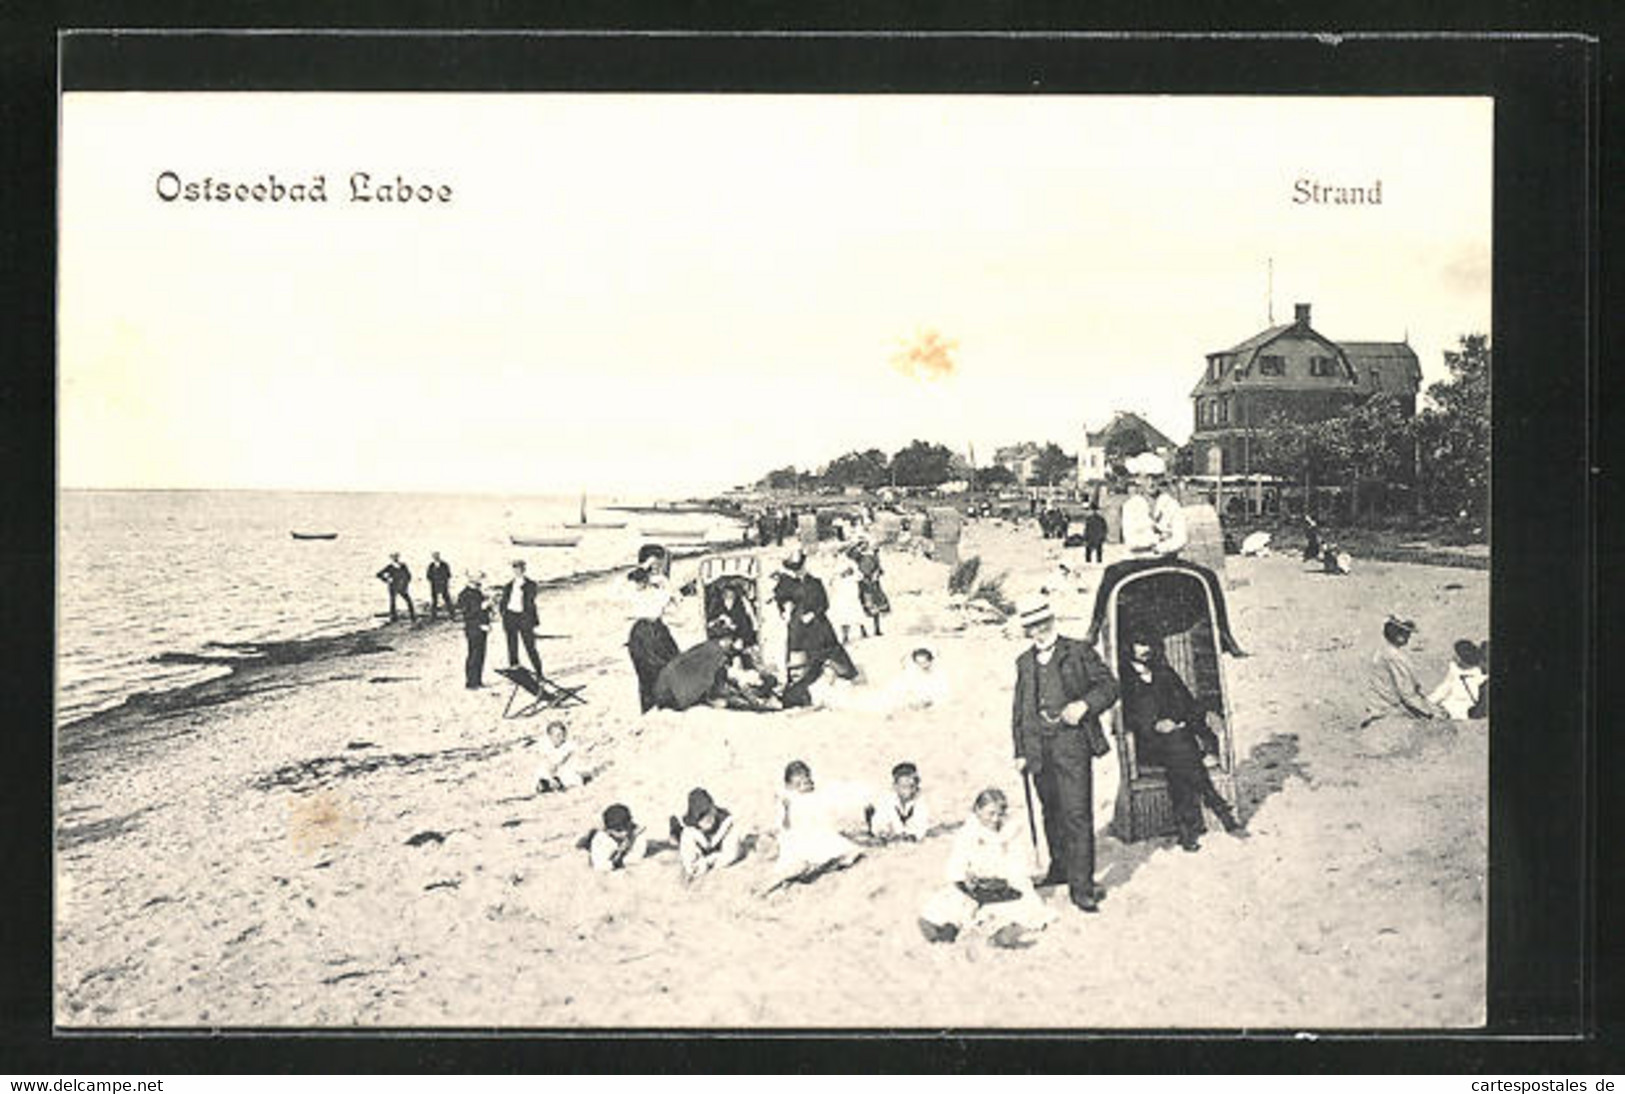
[353, 840]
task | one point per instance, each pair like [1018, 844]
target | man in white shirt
[1168, 519]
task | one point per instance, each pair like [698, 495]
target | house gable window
[1322, 366]
[1271, 365]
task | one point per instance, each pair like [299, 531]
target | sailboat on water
[590, 524]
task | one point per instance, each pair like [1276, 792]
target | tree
[922, 464]
[1126, 442]
[1052, 464]
[1453, 435]
[783, 478]
[994, 477]
[868, 469]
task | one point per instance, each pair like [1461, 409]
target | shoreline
[257, 667]
[355, 842]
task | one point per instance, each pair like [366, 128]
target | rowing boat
[314, 535]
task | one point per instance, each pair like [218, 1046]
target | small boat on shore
[544, 541]
[314, 535]
[596, 525]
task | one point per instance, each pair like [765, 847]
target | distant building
[1126, 434]
[1290, 371]
[1021, 460]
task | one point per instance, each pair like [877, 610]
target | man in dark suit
[1094, 535]
[439, 573]
[518, 602]
[472, 606]
[399, 580]
[1062, 688]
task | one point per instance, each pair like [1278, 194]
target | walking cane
[1032, 825]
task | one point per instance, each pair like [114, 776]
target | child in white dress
[989, 881]
[810, 842]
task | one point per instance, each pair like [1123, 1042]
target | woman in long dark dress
[804, 603]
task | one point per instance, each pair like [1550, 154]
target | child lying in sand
[900, 814]
[707, 837]
[557, 769]
[619, 843]
[810, 843]
[989, 886]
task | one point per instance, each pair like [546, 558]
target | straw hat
[1034, 610]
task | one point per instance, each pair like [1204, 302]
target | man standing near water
[519, 619]
[476, 613]
[1062, 688]
[439, 584]
[399, 580]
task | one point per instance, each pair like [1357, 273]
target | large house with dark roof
[1290, 371]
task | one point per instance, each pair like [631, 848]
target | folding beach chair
[544, 693]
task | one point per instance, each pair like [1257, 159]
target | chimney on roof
[1302, 316]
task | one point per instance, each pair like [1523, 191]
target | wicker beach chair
[545, 694]
[1174, 604]
[742, 573]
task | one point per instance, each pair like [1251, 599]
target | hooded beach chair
[545, 694]
[1176, 607]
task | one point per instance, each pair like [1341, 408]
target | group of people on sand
[727, 667]
[1400, 713]
[397, 578]
[513, 603]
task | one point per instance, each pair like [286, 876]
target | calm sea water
[142, 573]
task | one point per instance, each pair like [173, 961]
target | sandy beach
[354, 840]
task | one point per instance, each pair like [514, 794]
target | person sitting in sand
[736, 609]
[989, 881]
[707, 837]
[556, 769]
[1464, 681]
[810, 842]
[620, 843]
[1396, 705]
[715, 672]
[900, 814]
[921, 684]
[1172, 731]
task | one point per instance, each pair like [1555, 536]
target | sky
[673, 294]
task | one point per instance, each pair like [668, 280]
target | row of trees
[920, 464]
[1441, 454]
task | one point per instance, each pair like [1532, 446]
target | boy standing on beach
[476, 613]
